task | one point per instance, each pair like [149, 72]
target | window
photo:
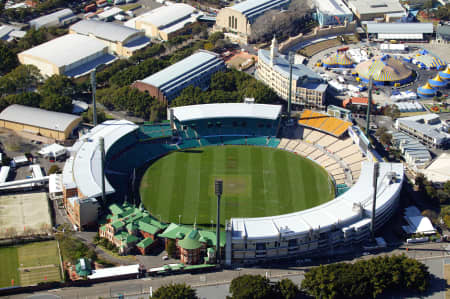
[229, 21]
[235, 23]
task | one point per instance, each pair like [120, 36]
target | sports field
[258, 182]
[29, 264]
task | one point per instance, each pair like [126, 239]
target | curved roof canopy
[227, 110]
[37, 117]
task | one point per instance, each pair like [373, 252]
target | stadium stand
[324, 122]
[327, 141]
[258, 141]
[339, 145]
[283, 143]
[273, 142]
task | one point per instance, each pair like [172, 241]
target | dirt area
[24, 214]
[237, 60]
[313, 49]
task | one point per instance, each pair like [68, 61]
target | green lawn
[9, 262]
[29, 264]
[257, 182]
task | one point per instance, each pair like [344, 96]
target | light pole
[218, 188]
[179, 219]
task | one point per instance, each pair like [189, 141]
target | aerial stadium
[289, 191]
[385, 70]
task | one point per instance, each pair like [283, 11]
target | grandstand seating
[283, 143]
[339, 145]
[314, 137]
[155, 130]
[291, 145]
[259, 141]
[340, 181]
[306, 132]
[324, 122]
[273, 142]
[189, 143]
[347, 151]
[337, 171]
[331, 167]
[327, 141]
[314, 155]
[355, 158]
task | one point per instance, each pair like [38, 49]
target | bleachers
[355, 167]
[335, 165]
[340, 181]
[291, 145]
[283, 143]
[339, 176]
[339, 145]
[314, 155]
[324, 122]
[314, 137]
[308, 150]
[337, 171]
[306, 132]
[189, 143]
[233, 140]
[273, 142]
[355, 158]
[327, 141]
[259, 141]
[347, 151]
[156, 130]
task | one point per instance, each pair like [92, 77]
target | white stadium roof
[375, 7]
[38, 117]
[85, 167]
[104, 30]
[67, 49]
[226, 110]
[332, 7]
[167, 15]
[338, 212]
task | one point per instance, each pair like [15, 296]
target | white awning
[400, 36]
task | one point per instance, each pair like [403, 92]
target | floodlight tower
[369, 105]
[94, 104]
[101, 142]
[291, 61]
[218, 188]
[376, 168]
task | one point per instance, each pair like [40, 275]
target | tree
[420, 180]
[31, 99]
[8, 60]
[392, 111]
[252, 287]
[54, 169]
[380, 131]
[386, 139]
[175, 291]
[58, 85]
[287, 289]
[21, 79]
[89, 114]
[55, 102]
[171, 248]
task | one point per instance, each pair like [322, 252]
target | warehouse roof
[38, 117]
[374, 7]
[332, 7]
[253, 8]
[104, 30]
[281, 64]
[167, 15]
[400, 28]
[66, 49]
[58, 16]
[183, 70]
[227, 110]
[437, 171]
[444, 31]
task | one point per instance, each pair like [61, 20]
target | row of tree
[227, 87]
[22, 86]
[435, 195]
[367, 278]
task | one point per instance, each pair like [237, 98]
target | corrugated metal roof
[400, 28]
[281, 65]
[375, 7]
[66, 49]
[183, 71]
[254, 8]
[53, 17]
[105, 30]
[332, 7]
[166, 15]
[227, 110]
[38, 117]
